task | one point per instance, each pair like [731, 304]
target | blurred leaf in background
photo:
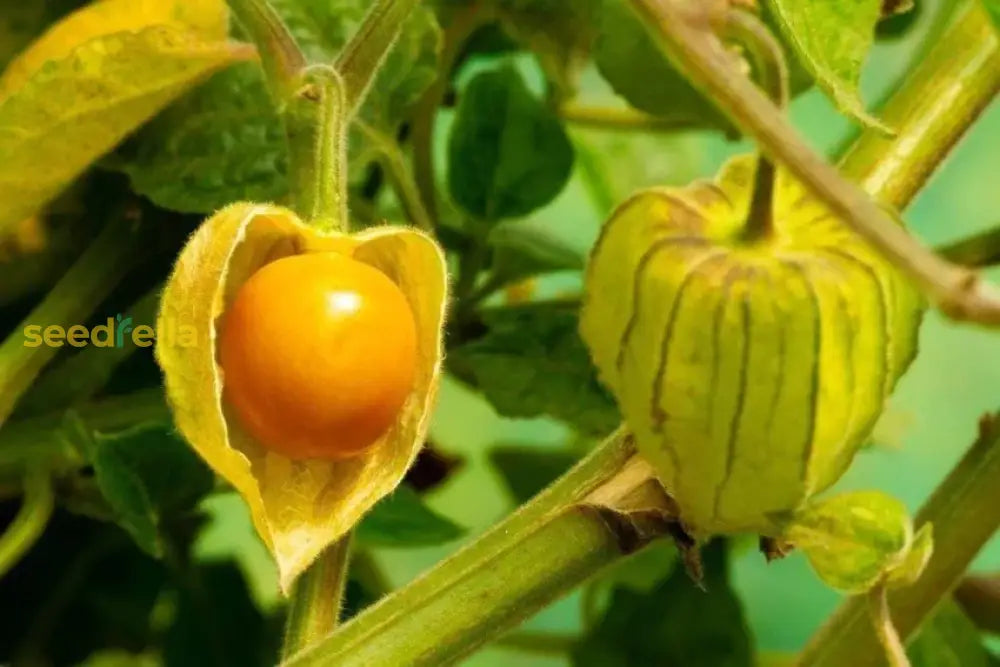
[401, 519]
[508, 154]
[531, 362]
[948, 639]
[148, 474]
[675, 623]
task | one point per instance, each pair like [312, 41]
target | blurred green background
[931, 420]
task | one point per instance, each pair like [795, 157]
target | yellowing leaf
[298, 507]
[90, 81]
[749, 371]
[208, 19]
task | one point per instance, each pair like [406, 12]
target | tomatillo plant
[278, 275]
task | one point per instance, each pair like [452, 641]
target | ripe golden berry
[318, 353]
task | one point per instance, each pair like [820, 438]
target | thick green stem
[362, 57]
[537, 554]
[688, 38]
[314, 609]
[281, 57]
[965, 514]
[30, 521]
[69, 303]
[938, 101]
[316, 125]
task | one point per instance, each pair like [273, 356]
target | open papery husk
[298, 507]
[750, 368]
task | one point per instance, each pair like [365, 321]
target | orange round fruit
[318, 353]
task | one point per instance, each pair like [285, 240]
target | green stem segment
[881, 615]
[686, 36]
[280, 55]
[534, 556]
[771, 72]
[314, 609]
[30, 521]
[316, 125]
[89, 280]
[965, 514]
[362, 58]
[938, 101]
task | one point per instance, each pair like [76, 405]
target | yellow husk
[298, 507]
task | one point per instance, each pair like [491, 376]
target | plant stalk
[30, 522]
[965, 514]
[316, 126]
[362, 57]
[534, 556]
[881, 617]
[771, 73]
[310, 614]
[686, 35]
[280, 55]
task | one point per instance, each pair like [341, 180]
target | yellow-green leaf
[853, 540]
[832, 39]
[298, 507]
[750, 371]
[91, 80]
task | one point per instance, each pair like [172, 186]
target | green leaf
[403, 520]
[225, 142]
[948, 639]
[676, 623]
[853, 539]
[832, 39]
[532, 363]
[527, 470]
[522, 249]
[220, 144]
[631, 61]
[508, 154]
[148, 474]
